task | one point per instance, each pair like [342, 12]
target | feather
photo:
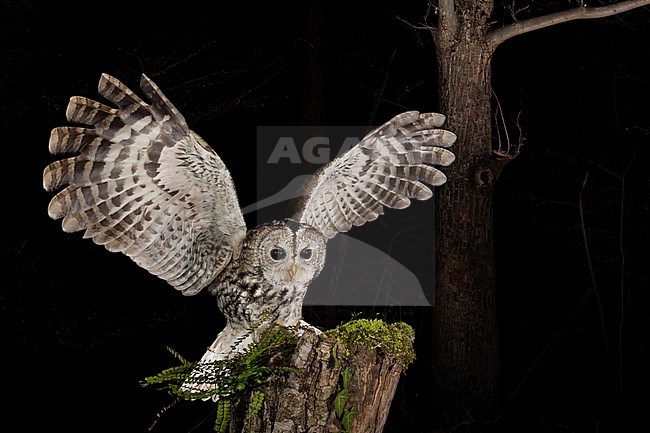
[391, 165]
[142, 183]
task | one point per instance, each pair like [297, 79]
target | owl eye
[306, 253]
[278, 253]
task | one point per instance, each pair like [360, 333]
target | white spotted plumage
[141, 182]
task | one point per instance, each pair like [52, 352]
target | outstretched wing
[385, 169]
[144, 184]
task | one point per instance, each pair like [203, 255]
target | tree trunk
[465, 352]
[306, 401]
[313, 83]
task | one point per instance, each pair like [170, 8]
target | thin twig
[511, 151]
[382, 89]
[592, 274]
[426, 27]
[621, 246]
[499, 112]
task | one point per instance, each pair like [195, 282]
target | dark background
[80, 327]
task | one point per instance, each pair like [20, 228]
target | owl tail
[205, 376]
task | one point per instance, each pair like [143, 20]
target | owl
[139, 181]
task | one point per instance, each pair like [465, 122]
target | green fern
[170, 375]
[222, 419]
[230, 379]
[255, 405]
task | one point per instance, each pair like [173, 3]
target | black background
[81, 327]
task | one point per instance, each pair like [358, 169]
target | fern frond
[223, 416]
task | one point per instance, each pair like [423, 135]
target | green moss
[395, 339]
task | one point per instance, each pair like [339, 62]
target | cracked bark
[302, 402]
[465, 364]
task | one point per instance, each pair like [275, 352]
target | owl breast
[269, 280]
[247, 299]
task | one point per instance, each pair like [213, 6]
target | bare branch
[417, 26]
[430, 28]
[380, 92]
[510, 150]
[592, 273]
[498, 36]
[515, 10]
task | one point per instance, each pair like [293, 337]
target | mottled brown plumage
[141, 182]
[146, 185]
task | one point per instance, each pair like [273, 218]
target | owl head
[288, 252]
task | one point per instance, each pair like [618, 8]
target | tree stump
[332, 381]
[339, 381]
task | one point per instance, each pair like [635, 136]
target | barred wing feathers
[388, 168]
[144, 184]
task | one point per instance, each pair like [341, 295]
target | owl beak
[293, 270]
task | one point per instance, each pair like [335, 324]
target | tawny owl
[141, 182]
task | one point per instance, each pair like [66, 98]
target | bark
[465, 350]
[302, 402]
[313, 84]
